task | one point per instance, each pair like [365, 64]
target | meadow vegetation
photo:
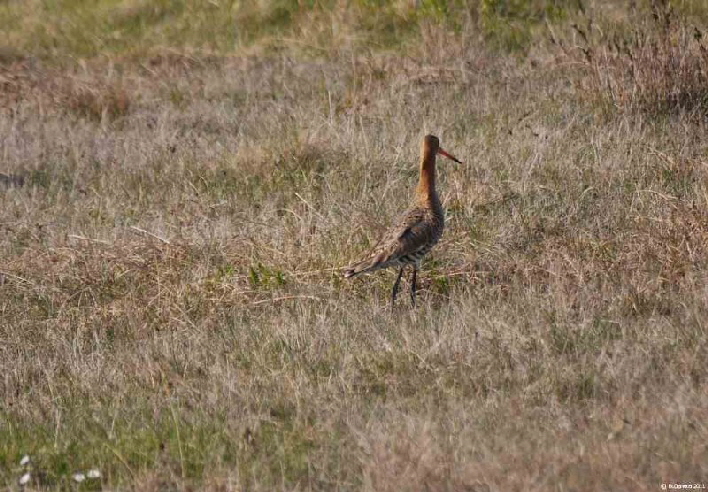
[182, 182]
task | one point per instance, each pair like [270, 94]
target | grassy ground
[182, 181]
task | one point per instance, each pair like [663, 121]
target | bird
[416, 231]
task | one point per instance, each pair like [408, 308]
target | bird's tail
[371, 263]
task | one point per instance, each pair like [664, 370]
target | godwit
[416, 231]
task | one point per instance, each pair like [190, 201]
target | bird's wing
[406, 236]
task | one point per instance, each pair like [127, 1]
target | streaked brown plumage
[416, 231]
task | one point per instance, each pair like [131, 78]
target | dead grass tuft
[99, 103]
[656, 66]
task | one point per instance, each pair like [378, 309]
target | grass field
[182, 182]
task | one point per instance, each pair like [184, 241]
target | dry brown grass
[656, 65]
[171, 308]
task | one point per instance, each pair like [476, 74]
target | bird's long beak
[449, 156]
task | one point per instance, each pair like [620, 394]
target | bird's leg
[396, 285]
[414, 276]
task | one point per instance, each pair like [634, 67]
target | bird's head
[431, 147]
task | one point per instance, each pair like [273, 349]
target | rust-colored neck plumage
[426, 182]
[425, 192]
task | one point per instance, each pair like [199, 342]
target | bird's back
[407, 241]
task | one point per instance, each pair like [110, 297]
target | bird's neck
[425, 192]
